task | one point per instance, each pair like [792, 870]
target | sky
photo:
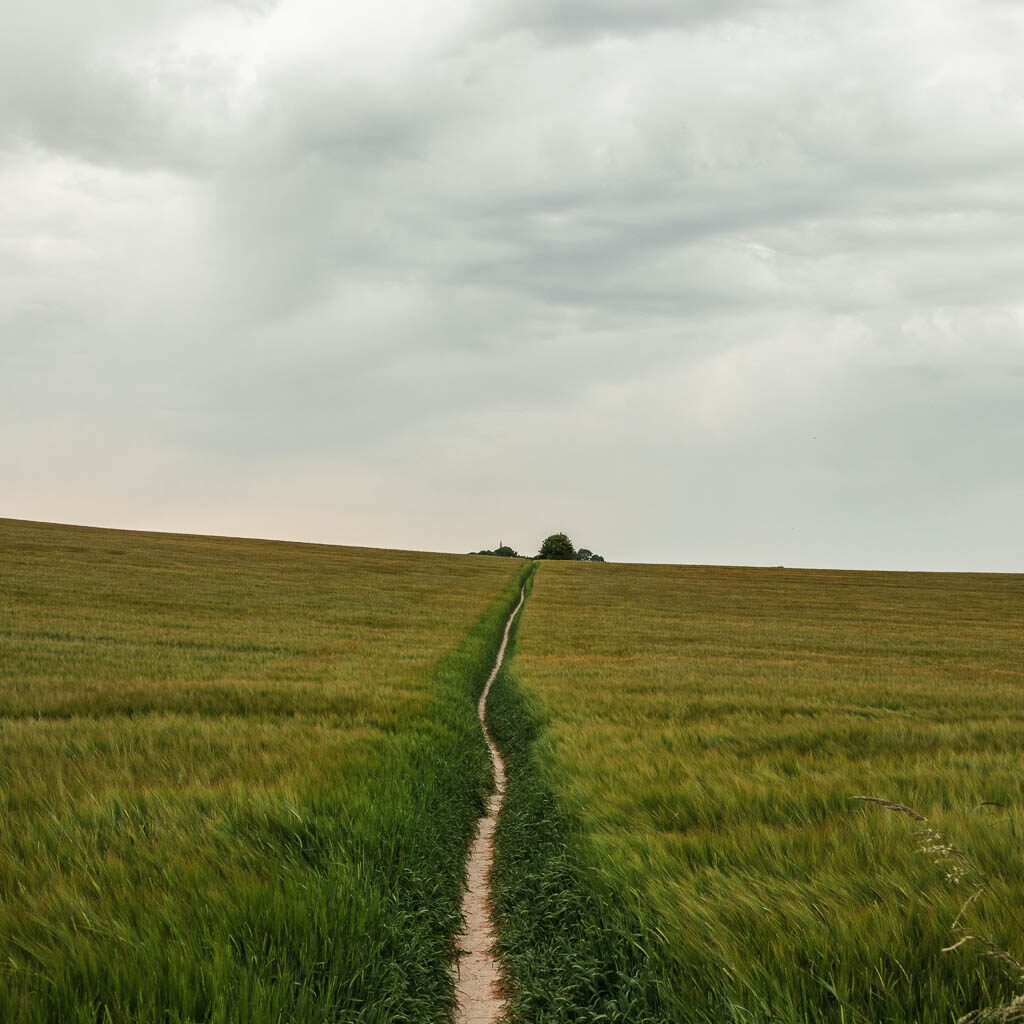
[700, 281]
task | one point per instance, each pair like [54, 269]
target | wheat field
[704, 731]
[237, 778]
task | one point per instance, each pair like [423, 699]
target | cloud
[571, 21]
[746, 274]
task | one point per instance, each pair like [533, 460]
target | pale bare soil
[477, 971]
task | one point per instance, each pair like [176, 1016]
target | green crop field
[680, 841]
[237, 778]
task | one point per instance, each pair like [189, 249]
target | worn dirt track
[477, 975]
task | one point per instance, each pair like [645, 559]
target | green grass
[573, 951]
[697, 736]
[237, 778]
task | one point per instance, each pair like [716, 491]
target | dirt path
[477, 978]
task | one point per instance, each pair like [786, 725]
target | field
[680, 840]
[238, 781]
[237, 778]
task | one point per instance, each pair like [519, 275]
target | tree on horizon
[557, 547]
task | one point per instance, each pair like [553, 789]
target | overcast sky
[692, 280]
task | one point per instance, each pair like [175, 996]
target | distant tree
[557, 546]
[596, 558]
[502, 551]
[584, 555]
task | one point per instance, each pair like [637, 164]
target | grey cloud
[751, 270]
[574, 20]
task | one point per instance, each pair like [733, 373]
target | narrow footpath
[477, 976]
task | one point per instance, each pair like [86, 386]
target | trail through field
[477, 977]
